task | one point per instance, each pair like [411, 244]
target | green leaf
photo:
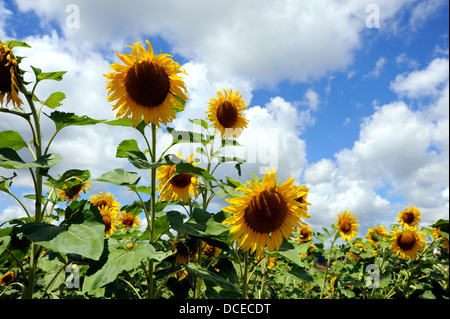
[119, 177]
[63, 119]
[200, 122]
[119, 259]
[11, 160]
[54, 100]
[300, 273]
[127, 122]
[82, 232]
[57, 76]
[125, 146]
[5, 182]
[14, 43]
[209, 276]
[12, 139]
[186, 136]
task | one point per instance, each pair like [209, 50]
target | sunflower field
[167, 243]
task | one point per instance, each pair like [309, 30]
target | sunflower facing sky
[265, 214]
[9, 74]
[347, 225]
[226, 114]
[181, 186]
[147, 86]
[407, 241]
[410, 216]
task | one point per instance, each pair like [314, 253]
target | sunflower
[226, 115]
[110, 219]
[108, 200]
[347, 225]
[265, 214]
[72, 188]
[147, 86]
[407, 242]
[305, 232]
[211, 251]
[7, 278]
[127, 220]
[437, 234]
[378, 230]
[181, 186]
[9, 77]
[410, 216]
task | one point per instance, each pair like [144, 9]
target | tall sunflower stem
[336, 234]
[245, 279]
[151, 288]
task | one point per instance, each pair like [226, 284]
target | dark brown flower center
[345, 226]
[147, 84]
[181, 180]
[5, 77]
[128, 220]
[227, 114]
[408, 218]
[107, 221]
[75, 190]
[305, 233]
[266, 211]
[406, 241]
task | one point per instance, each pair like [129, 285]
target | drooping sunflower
[127, 220]
[72, 188]
[108, 200]
[407, 241]
[110, 219]
[378, 230]
[265, 214]
[181, 186]
[347, 225]
[147, 86]
[410, 216]
[9, 77]
[226, 114]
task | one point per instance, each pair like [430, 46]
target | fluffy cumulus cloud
[399, 147]
[240, 38]
[234, 44]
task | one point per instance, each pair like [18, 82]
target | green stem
[245, 279]
[151, 288]
[328, 264]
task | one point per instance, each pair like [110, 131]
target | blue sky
[361, 114]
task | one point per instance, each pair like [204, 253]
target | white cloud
[421, 83]
[234, 38]
[423, 11]
[379, 65]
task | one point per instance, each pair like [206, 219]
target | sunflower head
[72, 189]
[110, 219]
[226, 114]
[147, 86]
[410, 216]
[265, 214]
[127, 220]
[347, 224]
[10, 77]
[305, 232]
[7, 278]
[174, 187]
[108, 200]
[378, 230]
[438, 235]
[407, 241]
